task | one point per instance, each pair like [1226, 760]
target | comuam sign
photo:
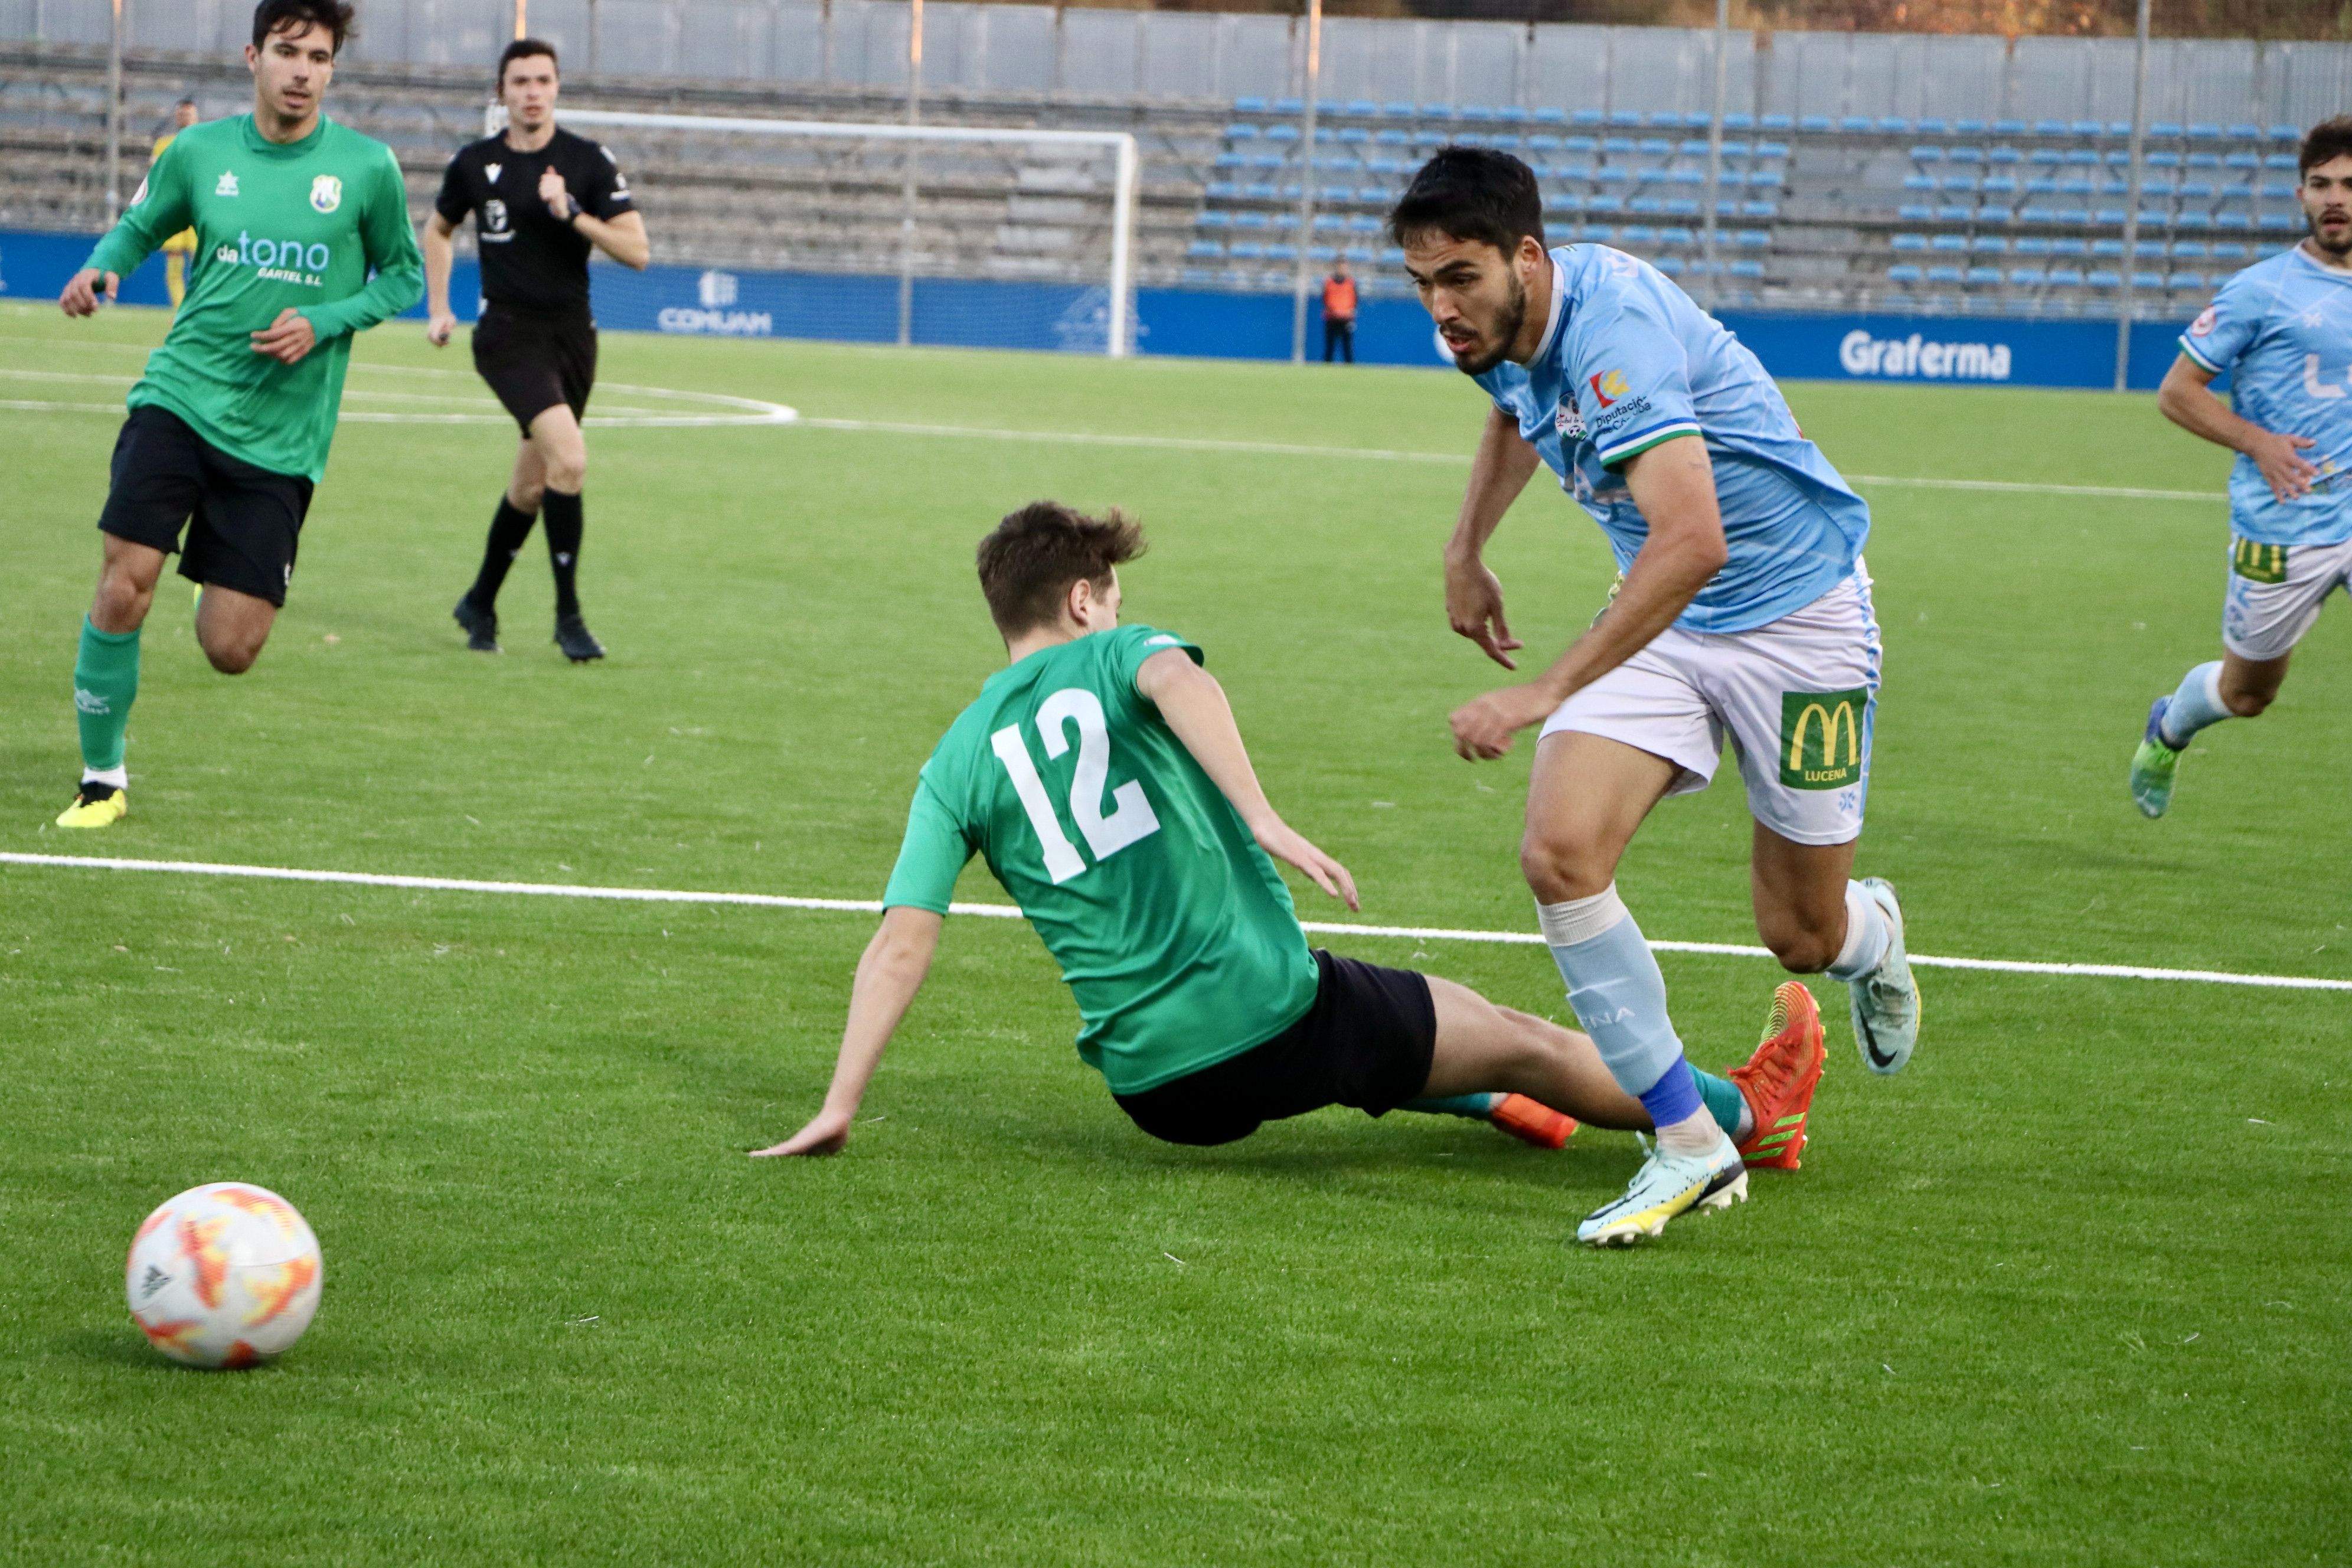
[1918, 355]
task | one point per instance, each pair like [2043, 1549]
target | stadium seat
[2005, 156]
[1739, 122]
[1915, 212]
[2066, 278]
[2230, 250]
[1967, 127]
[1249, 106]
[1988, 245]
[1396, 112]
[2086, 128]
[1248, 250]
[1775, 122]
[2068, 246]
[1478, 113]
[1550, 117]
[1240, 132]
[1979, 276]
[1955, 214]
[1205, 250]
[2147, 280]
[2200, 132]
[1814, 124]
[1904, 274]
[1768, 211]
[1360, 109]
[2165, 130]
[1949, 242]
[2027, 277]
[2009, 127]
[1746, 268]
[2050, 128]
[2102, 279]
[1672, 265]
[1945, 274]
[1290, 105]
[2187, 281]
[2033, 244]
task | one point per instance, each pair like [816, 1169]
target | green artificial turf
[2069, 1290]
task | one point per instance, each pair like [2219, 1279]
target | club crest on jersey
[326, 193]
[494, 215]
[492, 171]
[227, 183]
[2203, 323]
[1568, 419]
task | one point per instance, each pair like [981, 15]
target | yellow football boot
[95, 804]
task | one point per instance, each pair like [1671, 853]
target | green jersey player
[1102, 777]
[302, 238]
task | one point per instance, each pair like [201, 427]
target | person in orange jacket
[1340, 312]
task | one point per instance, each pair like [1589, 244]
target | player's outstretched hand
[1473, 604]
[826, 1134]
[82, 289]
[1483, 728]
[1285, 843]
[288, 338]
[2280, 458]
[437, 329]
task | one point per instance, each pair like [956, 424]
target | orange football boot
[1779, 1080]
[1532, 1122]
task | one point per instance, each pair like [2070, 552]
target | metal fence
[1196, 55]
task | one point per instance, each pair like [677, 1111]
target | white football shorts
[1796, 698]
[2275, 593]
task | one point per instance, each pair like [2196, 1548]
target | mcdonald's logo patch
[2259, 562]
[1820, 738]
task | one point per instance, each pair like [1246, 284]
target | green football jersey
[302, 224]
[1173, 930]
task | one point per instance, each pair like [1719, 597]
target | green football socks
[1724, 1102]
[1476, 1106]
[105, 681]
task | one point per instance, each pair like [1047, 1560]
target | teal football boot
[2152, 764]
[1668, 1185]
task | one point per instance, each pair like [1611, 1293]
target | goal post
[1015, 236]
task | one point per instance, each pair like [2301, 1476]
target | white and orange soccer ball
[224, 1274]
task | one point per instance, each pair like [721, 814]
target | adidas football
[224, 1274]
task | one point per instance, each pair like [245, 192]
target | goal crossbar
[1120, 144]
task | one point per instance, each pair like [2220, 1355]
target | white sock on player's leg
[1866, 935]
[118, 777]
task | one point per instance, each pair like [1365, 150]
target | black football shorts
[242, 523]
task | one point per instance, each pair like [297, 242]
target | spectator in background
[182, 244]
[1340, 312]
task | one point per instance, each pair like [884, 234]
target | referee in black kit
[541, 197]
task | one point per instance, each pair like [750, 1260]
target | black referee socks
[508, 529]
[563, 529]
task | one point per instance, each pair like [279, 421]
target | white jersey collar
[1558, 314]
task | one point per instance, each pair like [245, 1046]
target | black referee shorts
[244, 523]
[534, 362]
[1366, 1042]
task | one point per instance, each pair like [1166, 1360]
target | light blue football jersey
[2282, 331]
[1628, 361]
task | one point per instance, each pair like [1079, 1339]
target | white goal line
[1006, 912]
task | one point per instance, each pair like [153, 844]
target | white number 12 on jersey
[1131, 816]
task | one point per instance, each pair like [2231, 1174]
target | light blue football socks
[2195, 705]
[1614, 985]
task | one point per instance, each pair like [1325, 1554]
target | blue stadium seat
[1965, 154]
[2088, 127]
[1739, 122]
[1437, 112]
[2046, 158]
[2004, 155]
[2237, 223]
[2068, 246]
[1768, 211]
[1249, 106]
[2009, 127]
[1282, 253]
[1956, 215]
[2099, 277]
[1655, 147]
[2050, 128]
[1542, 143]
[1618, 146]
[1949, 242]
[1360, 109]
[1241, 131]
[1650, 206]
[1597, 234]
[2187, 281]
[1967, 183]
[1734, 149]
[2066, 278]
[2165, 130]
[1212, 218]
[1772, 149]
[1676, 236]
[1775, 122]
[1624, 119]
[1854, 124]
[2147, 280]
[1587, 117]
[1290, 105]
[2027, 277]
[1894, 125]
[2042, 186]
[1637, 234]
[1814, 124]
[2033, 244]
[1988, 245]
[1682, 206]
[1396, 111]
[1984, 274]
[1746, 269]
[1472, 111]
[2285, 134]
[2197, 191]
[1550, 117]
[1904, 274]
[1967, 127]
[1934, 126]
[1926, 154]
[1282, 132]
[1945, 275]
[1751, 239]
[1248, 250]
[2000, 186]
[1672, 265]
[2081, 158]
[1205, 250]
[2202, 222]
[2200, 132]
[1393, 138]
[2230, 250]
[1915, 212]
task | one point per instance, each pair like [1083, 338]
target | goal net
[965, 235]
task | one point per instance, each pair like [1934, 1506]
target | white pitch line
[1006, 912]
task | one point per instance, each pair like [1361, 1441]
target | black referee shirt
[532, 259]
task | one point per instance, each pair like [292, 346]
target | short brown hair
[2329, 139]
[523, 49]
[294, 16]
[1031, 559]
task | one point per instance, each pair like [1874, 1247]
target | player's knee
[121, 603]
[2247, 703]
[525, 498]
[231, 653]
[1562, 864]
[567, 470]
[1803, 945]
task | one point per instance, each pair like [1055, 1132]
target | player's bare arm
[622, 238]
[440, 255]
[1194, 706]
[2187, 398]
[1673, 485]
[1473, 594]
[889, 976]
